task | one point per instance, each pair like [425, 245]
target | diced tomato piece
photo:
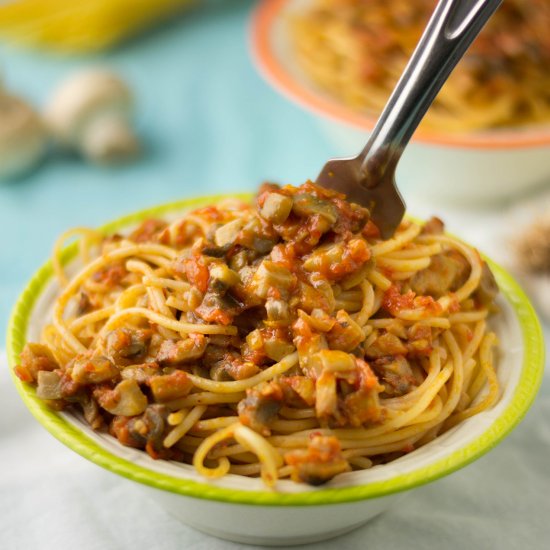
[218, 316]
[23, 373]
[367, 379]
[197, 272]
[393, 301]
[210, 213]
[371, 231]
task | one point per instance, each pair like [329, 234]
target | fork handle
[450, 31]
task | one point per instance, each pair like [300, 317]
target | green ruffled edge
[530, 380]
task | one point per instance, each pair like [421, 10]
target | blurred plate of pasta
[487, 136]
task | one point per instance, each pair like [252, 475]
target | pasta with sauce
[357, 49]
[285, 339]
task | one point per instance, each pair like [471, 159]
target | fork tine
[384, 201]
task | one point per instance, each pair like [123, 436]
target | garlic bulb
[534, 246]
[23, 138]
[533, 255]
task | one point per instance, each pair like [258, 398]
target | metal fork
[369, 178]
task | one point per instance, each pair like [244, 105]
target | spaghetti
[282, 340]
[357, 49]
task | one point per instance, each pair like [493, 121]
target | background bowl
[242, 509]
[483, 166]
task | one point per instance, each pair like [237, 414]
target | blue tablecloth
[211, 124]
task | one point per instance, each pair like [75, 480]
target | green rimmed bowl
[241, 509]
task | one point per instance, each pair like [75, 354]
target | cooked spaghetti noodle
[282, 340]
[356, 50]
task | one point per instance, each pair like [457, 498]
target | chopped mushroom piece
[335, 361]
[50, 385]
[216, 251]
[419, 338]
[222, 278]
[318, 464]
[278, 348]
[386, 344]
[306, 204]
[174, 352]
[359, 404]
[91, 412]
[326, 398]
[219, 308]
[396, 375]
[345, 334]
[227, 234]
[272, 277]
[298, 390]
[277, 311]
[231, 366]
[309, 298]
[318, 319]
[446, 273]
[487, 290]
[167, 387]
[260, 406]
[93, 370]
[276, 208]
[35, 358]
[126, 346]
[150, 427]
[434, 226]
[126, 399]
[140, 373]
[146, 430]
[258, 235]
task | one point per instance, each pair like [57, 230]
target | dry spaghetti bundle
[83, 26]
[285, 339]
[357, 49]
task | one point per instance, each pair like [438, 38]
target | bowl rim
[524, 394]
[264, 17]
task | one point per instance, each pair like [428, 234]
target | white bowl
[242, 509]
[475, 167]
